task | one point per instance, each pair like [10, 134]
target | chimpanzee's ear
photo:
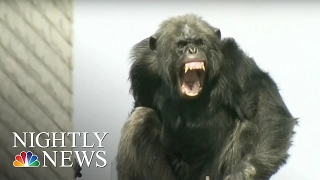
[217, 32]
[152, 43]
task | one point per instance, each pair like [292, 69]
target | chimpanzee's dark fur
[77, 169]
[238, 128]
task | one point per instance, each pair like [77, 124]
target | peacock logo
[26, 160]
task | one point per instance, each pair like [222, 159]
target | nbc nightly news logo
[28, 159]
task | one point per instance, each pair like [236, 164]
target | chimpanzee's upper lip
[193, 58]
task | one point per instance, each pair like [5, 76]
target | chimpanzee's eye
[182, 44]
[199, 42]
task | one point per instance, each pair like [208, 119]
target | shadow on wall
[113, 174]
[36, 80]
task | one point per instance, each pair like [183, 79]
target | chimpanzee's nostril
[193, 50]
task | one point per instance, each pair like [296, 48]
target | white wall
[283, 38]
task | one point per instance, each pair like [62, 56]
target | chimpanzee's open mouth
[191, 78]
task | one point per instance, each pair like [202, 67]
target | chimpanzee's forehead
[188, 31]
[183, 29]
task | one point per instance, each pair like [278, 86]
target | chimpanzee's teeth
[192, 66]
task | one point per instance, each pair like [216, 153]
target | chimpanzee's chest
[191, 144]
[190, 136]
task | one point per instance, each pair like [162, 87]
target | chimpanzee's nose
[193, 50]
